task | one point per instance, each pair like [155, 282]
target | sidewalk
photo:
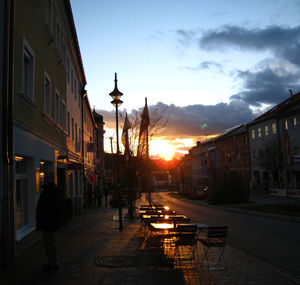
[93, 251]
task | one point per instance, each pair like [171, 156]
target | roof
[235, 131]
[278, 109]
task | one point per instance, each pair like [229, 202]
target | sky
[205, 65]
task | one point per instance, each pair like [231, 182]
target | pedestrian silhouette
[98, 197]
[49, 218]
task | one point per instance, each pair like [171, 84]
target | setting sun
[162, 149]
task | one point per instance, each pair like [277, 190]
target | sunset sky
[208, 65]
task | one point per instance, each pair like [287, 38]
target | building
[274, 139]
[99, 160]
[7, 226]
[51, 127]
[233, 153]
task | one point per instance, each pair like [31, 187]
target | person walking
[49, 218]
[97, 197]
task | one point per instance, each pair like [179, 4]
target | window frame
[266, 130]
[57, 112]
[63, 115]
[28, 83]
[259, 133]
[58, 36]
[286, 124]
[47, 77]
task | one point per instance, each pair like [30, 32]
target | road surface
[277, 241]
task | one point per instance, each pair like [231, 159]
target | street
[273, 240]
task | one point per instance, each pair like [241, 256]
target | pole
[111, 145]
[118, 172]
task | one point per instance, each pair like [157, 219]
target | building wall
[39, 134]
[260, 134]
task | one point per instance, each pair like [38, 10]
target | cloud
[196, 120]
[283, 42]
[207, 65]
[266, 86]
[268, 81]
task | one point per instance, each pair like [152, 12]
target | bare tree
[271, 159]
[158, 122]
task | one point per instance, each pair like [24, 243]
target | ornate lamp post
[116, 95]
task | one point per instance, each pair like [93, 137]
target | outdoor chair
[186, 243]
[216, 238]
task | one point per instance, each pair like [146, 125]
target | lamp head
[117, 102]
[116, 94]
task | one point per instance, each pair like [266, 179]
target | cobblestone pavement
[93, 251]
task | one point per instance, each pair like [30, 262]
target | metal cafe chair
[216, 238]
[186, 243]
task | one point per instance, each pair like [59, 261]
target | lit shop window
[21, 192]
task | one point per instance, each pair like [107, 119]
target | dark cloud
[284, 42]
[195, 120]
[266, 86]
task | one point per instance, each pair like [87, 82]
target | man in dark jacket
[49, 219]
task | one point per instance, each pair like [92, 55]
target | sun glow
[162, 148]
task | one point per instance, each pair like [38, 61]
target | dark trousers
[49, 239]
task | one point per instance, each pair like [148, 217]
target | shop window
[21, 193]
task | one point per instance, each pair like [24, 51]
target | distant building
[233, 153]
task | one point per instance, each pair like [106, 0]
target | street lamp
[116, 95]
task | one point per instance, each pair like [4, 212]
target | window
[286, 125]
[28, 73]
[21, 193]
[72, 79]
[57, 108]
[79, 96]
[58, 36]
[259, 132]
[266, 130]
[47, 95]
[253, 134]
[64, 52]
[273, 128]
[68, 69]
[49, 6]
[75, 88]
[63, 115]
[72, 129]
[294, 121]
[76, 138]
[68, 123]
